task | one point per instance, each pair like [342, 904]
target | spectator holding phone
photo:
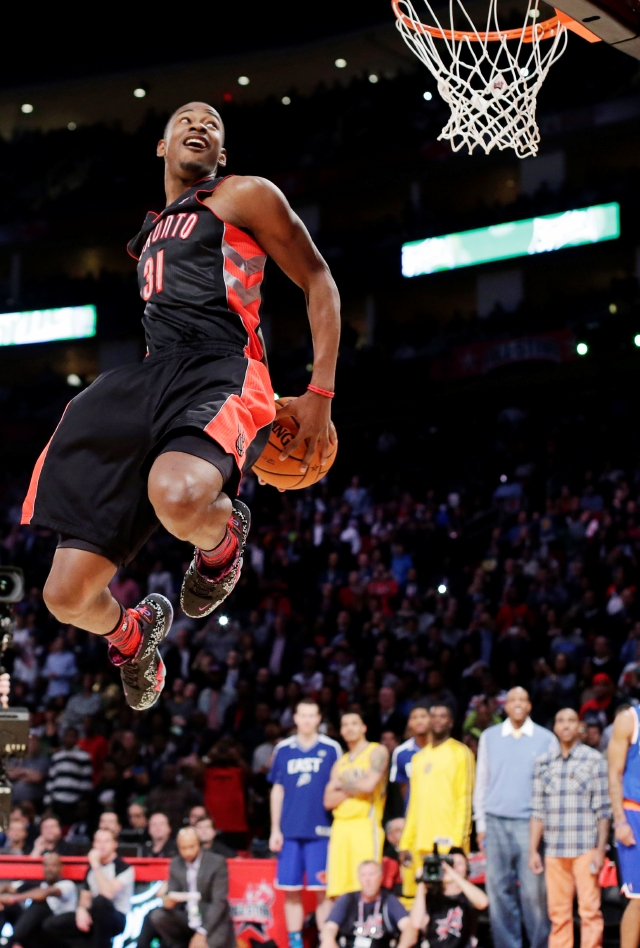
[446, 911]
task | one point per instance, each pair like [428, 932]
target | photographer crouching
[371, 918]
[446, 905]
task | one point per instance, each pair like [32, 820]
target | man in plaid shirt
[570, 807]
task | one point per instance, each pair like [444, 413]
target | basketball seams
[281, 471]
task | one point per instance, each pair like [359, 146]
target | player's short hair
[445, 705]
[307, 701]
[180, 109]
[355, 711]
[422, 705]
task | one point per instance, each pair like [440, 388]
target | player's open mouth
[196, 142]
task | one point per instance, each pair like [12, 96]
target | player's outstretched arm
[617, 755]
[259, 206]
[373, 776]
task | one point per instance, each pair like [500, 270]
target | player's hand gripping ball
[285, 475]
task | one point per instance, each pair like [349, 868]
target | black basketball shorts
[90, 482]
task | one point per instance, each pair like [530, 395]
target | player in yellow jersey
[441, 788]
[356, 793]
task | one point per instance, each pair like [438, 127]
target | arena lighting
[285, 100]
[503, 478]
[243, 80]
[582, 348]
[47, 325]
[428, 96]
[72, 126]
[139, 93]
[74, 380]
[636, 340]
[27, 108]
[223, 620]
[587, 225]
[373, 78]
[341, 63]
[613, 309]
[442, 589]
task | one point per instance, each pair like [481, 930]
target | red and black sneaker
[201, 593]
[143, 674]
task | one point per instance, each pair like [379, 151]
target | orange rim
[545, 30]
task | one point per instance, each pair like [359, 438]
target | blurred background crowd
[356, 600]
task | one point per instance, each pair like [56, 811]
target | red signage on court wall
[257, 907]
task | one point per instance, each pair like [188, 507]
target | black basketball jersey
[199, 276]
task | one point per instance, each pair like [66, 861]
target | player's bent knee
[66, 602]
[181, 501]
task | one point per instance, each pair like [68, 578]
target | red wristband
[320, 391]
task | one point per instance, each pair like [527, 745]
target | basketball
[286, 474]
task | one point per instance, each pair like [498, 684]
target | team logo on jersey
[303, 779]
[240, 443]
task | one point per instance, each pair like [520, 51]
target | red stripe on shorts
[30, 499]
[241, 417]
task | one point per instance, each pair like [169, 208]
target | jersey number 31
[153, 274]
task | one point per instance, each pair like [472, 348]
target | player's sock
[127, 635]
[295, 939]
[216, 561]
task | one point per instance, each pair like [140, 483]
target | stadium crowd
[347, 599]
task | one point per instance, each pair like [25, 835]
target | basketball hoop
[489, 78]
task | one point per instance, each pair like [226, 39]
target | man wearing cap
[601, 707]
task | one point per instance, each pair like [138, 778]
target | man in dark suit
[384, 716]
[196, 910]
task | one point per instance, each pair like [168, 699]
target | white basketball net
[490, 85]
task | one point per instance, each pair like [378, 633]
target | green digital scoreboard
[587, 225]
[47, 325]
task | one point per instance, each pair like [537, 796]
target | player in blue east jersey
[624, 789]
[418, 726]
[300, 825]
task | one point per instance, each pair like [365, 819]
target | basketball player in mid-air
[166, 441]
